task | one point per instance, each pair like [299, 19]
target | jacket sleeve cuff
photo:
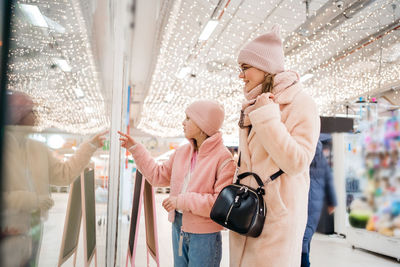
[332, 202]
[180, 202]
[92, 145]
[130, 149]
[265, 113]
[86, 148]
[137, 149]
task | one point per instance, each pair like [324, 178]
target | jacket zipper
[180, 243]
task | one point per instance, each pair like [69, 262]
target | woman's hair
[268, 83]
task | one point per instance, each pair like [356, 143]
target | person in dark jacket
[321, 185]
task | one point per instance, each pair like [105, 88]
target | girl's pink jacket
[213, 171]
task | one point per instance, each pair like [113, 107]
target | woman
[279, 129]
[196, 173]
[30, 167]
[321, 186]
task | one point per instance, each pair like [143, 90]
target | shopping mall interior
[75, 72]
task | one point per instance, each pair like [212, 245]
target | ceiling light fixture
[208, 29]
[306, 77]
[79, 93]
[33, 15]
[183, 72]
[54, 25]
[62, 64]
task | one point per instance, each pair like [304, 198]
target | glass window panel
[56, 105]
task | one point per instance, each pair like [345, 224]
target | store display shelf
[373, 241]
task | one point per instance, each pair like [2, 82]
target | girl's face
[251, 76]
[192, 131]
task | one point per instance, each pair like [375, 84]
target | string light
[32, 68]
[214, 65]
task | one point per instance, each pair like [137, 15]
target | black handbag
[241, 208]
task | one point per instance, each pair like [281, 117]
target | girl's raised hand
[126, 140]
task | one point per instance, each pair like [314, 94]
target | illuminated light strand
[33, 71]
[215, 66]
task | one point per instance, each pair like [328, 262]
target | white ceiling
[349, 55]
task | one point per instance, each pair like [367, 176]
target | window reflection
[56, 114]
[30, 168]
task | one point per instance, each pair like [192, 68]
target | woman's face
[251, 76]
[192, 131]
[29, 120]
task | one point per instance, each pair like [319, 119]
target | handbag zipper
[262, 209]
[230, 209]
[246, 187]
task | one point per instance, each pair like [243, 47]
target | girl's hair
[195, 142]
[268, 83]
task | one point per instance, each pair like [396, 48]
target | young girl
[196, 173]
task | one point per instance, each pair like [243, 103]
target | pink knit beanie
[265, 52]
[207, 114]
[19, 105]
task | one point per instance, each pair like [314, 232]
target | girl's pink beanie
[265, 52]
[207, 114]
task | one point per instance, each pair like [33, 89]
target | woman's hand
[170, 203]
[98, 139]
[45, 202]
[331, 210]
[263, 100]
[126, 140]
[248, 104]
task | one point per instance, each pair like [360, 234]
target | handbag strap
[255, 175]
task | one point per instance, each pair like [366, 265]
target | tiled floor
[326, 251]
[332, 251]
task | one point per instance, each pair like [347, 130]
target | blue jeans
[202, 250]
[305, 259]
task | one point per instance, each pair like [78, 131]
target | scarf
[274, 84]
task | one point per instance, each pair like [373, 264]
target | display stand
[338, 149]
[135, 217]
[356, 237]
[81, 206]
[89, 218]
[150, 222]
[143, 191]
[72, 224]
